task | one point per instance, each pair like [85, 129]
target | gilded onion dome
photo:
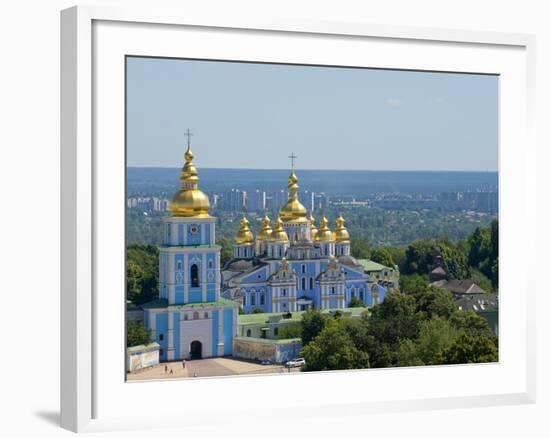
[244, 235]
[266, 230]
[324, 234]
[189, 201]
[340, 232]
[313, 228]
[278, 234]
[293, 210]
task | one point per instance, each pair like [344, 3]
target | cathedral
[287, 267]
[291, 265]
[190, 320]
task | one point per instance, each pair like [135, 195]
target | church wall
[215, 332]
[196, 330]
[161, 328]
[177, 332]
[228, 330]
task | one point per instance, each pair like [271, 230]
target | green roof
[370, 266]
[274, 318]
[162, 303]
[143, 348]
[269, 341]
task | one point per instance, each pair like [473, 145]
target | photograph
[290, 218]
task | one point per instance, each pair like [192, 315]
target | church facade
[190, 319]
[293, 265]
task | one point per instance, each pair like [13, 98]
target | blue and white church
[293, 265]
[190, 320]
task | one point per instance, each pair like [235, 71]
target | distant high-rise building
[233, 200]
[256, 201]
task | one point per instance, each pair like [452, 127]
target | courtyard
[212, 367]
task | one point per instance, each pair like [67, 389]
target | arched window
[252, 298]
[179, 265]
[303, 269]
[361, 294]
[205, 315]
[311, 283]
[303, 283]
[295, 236]
[195, 315]
[276, 331]
[262, 298]
[284, 292]
[248, 333]
[352, 292]
[210, 264]
[194, 275]
[185, 317]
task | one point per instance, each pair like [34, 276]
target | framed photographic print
[256, 206]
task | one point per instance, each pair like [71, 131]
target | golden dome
[324, 234]
[313, 231]
[189, 201]
[293, 210]
[340, 232]
[278, 234]
[244, 235]
[266, 230]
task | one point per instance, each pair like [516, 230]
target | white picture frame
[94, 395]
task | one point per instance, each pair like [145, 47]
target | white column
[174, 234]
[170, 343]
[184, 231]
[186, 278]
[204, 279]
[219, 349]
[171, 260]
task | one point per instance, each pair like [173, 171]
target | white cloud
[393, 101]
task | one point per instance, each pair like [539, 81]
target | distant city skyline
[253, 116]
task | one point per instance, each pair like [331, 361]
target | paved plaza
[213, 367]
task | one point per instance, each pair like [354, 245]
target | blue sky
[246, 115]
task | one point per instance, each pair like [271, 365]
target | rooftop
[370, 266]
[162, 303]
[272, 318]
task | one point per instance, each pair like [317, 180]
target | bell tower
[189, 258]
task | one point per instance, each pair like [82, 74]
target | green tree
[226, 252]
[360, 248]
[333, 349]
[382, 256]
[355, 302]
[137, 334]
[413, 284]
[291, 331]
[470, 349]
[257, 310]
[435, 301]
[142, 268]
[313, 322]
[472, 324]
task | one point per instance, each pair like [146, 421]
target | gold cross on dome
[292, 158]
[188, 134]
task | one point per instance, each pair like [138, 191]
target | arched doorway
[196, 350]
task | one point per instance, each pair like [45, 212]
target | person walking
[165, 369]
[171, 371]
[183, 363]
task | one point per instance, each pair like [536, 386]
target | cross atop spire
[292, 158]
[188, 134]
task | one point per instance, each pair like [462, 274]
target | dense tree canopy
[137, 334]
[142, 270]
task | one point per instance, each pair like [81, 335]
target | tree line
[420, 327]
